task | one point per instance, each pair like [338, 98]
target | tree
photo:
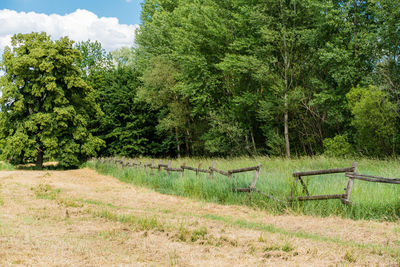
[128, 125]
[45, 105]
[94, 57]
[163, 92]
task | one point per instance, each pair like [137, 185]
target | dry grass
[81, 218]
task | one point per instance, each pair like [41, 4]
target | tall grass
[370, 200]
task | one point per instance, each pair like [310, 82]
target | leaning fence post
[212, 170]
[349, 187]
[256, 175]
[253, 184]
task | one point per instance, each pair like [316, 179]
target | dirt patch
[82, 218]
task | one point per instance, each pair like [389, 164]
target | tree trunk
[286, 125]
[253, 141]
[178, 146]
[187, 138]
[39, 159]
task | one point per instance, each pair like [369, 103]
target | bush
[338, 146]
[374, 119]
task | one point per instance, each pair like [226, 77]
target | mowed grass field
[370, 201]
[82, 218]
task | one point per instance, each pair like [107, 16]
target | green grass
[138, 223]
[5, 166]
[370, 200]
[45, 191]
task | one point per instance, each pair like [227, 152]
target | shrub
[338, 146]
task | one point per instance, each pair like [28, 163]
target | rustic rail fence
[210, 171]
[350, 173]
[344, 197]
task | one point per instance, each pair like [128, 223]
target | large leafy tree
[45, 104]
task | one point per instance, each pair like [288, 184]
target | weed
[138, 223]
[252, 250]
[69, 203]
[261, 238]
[272, 248]
[198, 234]
[45, 191]
[173, 258]
[105, 214]
[287, 247]
[149, 224]
[349, 257]
[183, 233]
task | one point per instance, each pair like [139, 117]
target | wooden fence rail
[375, 179]
[345, 198]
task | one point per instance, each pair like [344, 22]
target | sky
[111, 22]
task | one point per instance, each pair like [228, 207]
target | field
[80, 217]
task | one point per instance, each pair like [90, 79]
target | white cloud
[80, 25]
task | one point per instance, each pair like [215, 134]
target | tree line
[246, 77]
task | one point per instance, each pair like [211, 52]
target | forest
[221, 78]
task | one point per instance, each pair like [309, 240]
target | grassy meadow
[370, 200]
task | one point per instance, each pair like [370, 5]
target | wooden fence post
[256, 175]
[198, 167]
[169, 166]
[253, 184]
[349, 187]
[211, 170]
[183, 170]
[159, 166]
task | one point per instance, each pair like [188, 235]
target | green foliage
[46, 106]
[374, 120]
[224, 78]
[338, 146]
[124, 57]
[225, 137]
[257, 63]
[94, 57]
[128, 124]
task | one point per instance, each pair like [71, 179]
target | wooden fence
[344, 197]
[210, 171]
[350, 173]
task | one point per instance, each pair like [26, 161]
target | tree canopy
[45, 105]
[219, 78]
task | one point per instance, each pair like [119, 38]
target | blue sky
[128, 12]
[111, 22]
